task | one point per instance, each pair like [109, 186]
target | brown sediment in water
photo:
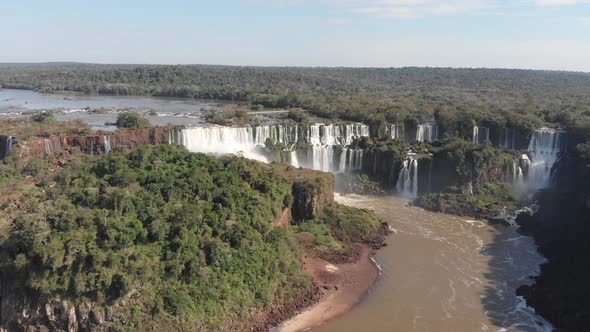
[342, 286]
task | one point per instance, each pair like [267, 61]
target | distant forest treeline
[493, 97]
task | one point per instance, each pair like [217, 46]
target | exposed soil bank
[342, 286]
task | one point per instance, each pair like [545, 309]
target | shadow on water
[514, 259]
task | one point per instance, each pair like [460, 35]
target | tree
[132, 120]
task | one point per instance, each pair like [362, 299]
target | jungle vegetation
[190, 235]
[456, 97]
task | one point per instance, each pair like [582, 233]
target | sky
[528, 34]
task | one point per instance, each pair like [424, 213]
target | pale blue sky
[539, 34]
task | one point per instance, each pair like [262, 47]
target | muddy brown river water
[444, 273]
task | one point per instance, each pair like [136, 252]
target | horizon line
[289, 66]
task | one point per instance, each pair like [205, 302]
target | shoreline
[342, 287]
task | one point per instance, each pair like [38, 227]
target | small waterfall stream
[397, 131]
[517, 174]
[480, 134]
[7, 145]
[545, 148]
[507, 138]
[427, 132]
[107, 144]
[407, 182]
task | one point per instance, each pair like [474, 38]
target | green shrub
[132, 120]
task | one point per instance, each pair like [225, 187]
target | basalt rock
[310, 198]
[96, 143]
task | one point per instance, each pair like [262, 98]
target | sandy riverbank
[342, 286]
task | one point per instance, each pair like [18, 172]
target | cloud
[412, 9]
[418, 8]
[559, 2]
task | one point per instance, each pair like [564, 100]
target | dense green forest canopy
[190, 234]
[357, 94]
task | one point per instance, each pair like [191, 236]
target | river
[444, 273]
[160, 111]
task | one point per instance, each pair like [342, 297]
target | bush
[298, 116]
[132, 120]
[43, 117]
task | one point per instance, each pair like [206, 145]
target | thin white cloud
[410, 9]
[418, 8]
[559, 2]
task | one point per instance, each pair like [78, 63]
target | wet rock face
[6, 144]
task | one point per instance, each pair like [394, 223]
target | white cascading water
[248, 142]
[407, 181]
[545, 147]
[277, 134]
[517, 174]
[396, 131]
[427, 132]
[480, 134]
[506, 138]
[107, 144]
[220, 140]
[48, 146]
[293, 159]
[325, 138]
[351, 160]
[8, 147]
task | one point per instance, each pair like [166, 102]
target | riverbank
[342, 286]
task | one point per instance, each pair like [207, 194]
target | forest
[163, 238]
[370, 95]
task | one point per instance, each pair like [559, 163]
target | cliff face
[96, 143]
[310, 198]
[561, 229]
[382, 166]
[312, 190]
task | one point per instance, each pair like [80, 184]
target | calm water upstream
[160, 111]
[444, 273]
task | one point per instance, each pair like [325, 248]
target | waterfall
[294, 160]
[321, 157]
[396, 131]
[325, 138]
[480, 134]
[407, 181]
[221, 140]
[287, 135]
[8, 144]
[506, 138]
[250, 141]
[517, 173]
[48, 146]
[427, 132]
[545, 147]
[107, 144]
[350, 160]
